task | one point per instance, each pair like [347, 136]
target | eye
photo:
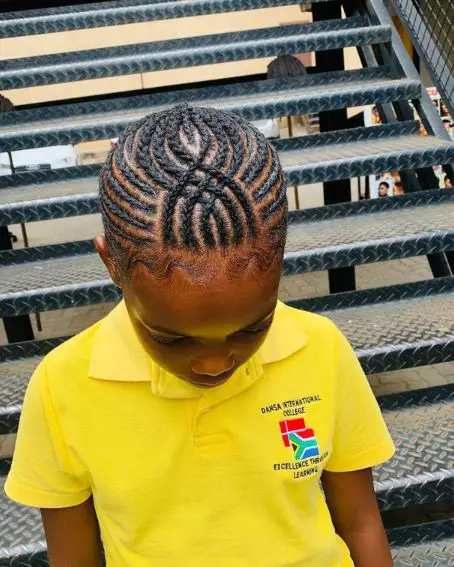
[255, 330]
[161, 340]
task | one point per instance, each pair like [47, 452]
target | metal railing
[430, 24]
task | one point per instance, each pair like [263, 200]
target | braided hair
[191, 180]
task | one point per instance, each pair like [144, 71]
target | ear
[103, 251]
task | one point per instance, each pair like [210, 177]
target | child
[195, 422]
[383, 189]
[398, 189]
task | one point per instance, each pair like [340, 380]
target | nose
[213, 366]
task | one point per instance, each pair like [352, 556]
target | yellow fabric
[182, 476]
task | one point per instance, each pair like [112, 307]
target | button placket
[206, 436]
[203, 408]
[199, 411]
[206, 433]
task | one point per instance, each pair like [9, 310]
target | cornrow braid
[191, 179]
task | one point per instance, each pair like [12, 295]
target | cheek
[170, 357]
[247, 346]
[160, 354]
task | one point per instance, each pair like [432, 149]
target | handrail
[429, 24]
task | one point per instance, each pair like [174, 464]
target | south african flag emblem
[302, 440]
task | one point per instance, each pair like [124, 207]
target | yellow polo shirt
[186, 477]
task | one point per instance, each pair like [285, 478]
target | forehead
[215, 305]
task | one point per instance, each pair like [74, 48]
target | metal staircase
[392, 328]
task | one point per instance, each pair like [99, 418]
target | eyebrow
[161, 330]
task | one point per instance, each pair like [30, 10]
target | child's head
[194, 209]
[398, 190]
[383, 189]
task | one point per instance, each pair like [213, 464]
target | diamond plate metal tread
[344, 210]
[22, 541]
[354, 299]
[428, 554]
[423, 545]
[422, 470]
[417, 225]
[388, 335]
[342, 137]
[402, 333]
[49, 201]
[41, 176]
[79, 196]
[394, 343]
[254, 101]
[421, 533]
[66, 250]
[14, 376]
[37, 177]
[75, 281]
[315, 245]
[363, 157]
[143, 101]
[42, 197]
[52, 20]
[17, 363]
[29, 349]
[418, 551]
[188, 52]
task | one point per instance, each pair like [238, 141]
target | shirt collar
[118, 355]
[286, 335]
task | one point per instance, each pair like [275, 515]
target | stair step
[369, 231]
[255, 100]
[305, 160]
[387, 334]
[17, 363]
[363, 157]
[419, 551]
[71, 274]
[49, 200]
[420, 423]
[394, 327]
[426, 545]
[422, 469]
[14, 376]
[189, 52]
[61, 193]
[22, 540]
[78, 278]
[423, 545]
[85, 16]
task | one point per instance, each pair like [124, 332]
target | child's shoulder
[72, 358]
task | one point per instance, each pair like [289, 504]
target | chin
[208, 382]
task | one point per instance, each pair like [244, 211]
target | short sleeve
[41, 474]
[361, 438]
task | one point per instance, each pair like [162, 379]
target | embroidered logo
[302, 440]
